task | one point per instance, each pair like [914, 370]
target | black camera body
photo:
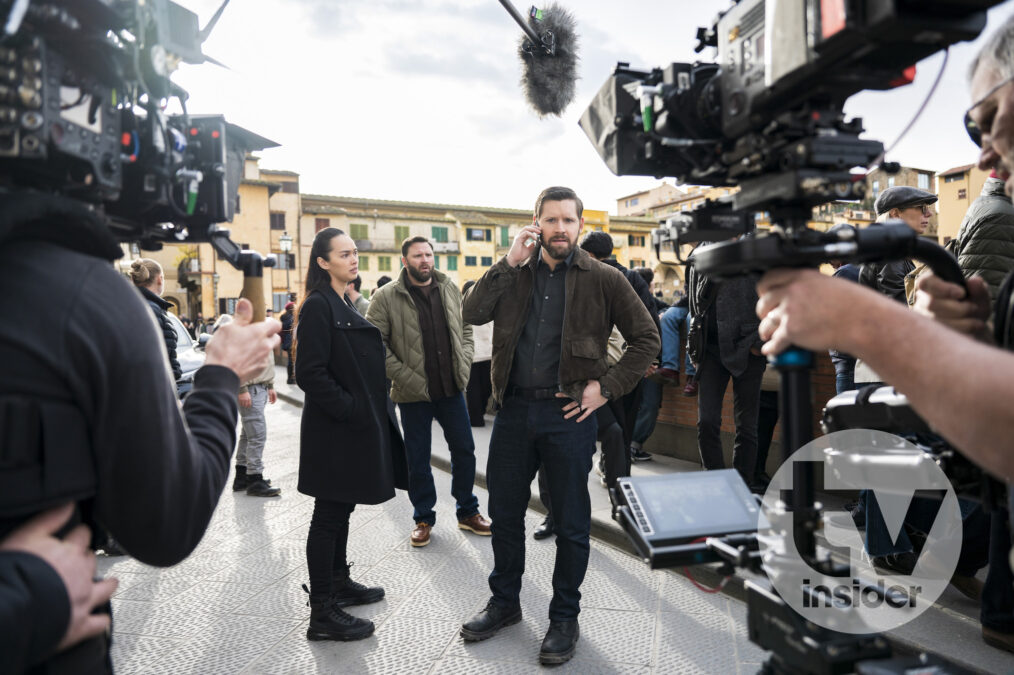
[767, 116]
[83, 86]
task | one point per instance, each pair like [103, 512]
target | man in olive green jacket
[429, 358]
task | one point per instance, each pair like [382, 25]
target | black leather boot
[489, 621]
[560, 642]
[239, 483]
[346, 592]
[329, 622]
[545, 529]
[256, 486]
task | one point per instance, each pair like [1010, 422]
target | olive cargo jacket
[597, 298]
[394, 312]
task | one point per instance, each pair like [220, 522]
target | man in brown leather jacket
[553, 308]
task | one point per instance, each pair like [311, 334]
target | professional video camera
[768, 117]
[83, 89]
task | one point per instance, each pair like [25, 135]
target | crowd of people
[577, 354]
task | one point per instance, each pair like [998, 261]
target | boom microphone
[549, 70]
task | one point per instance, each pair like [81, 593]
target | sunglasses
[971, 126]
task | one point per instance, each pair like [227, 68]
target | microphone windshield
[549, 81]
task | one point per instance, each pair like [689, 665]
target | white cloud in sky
[419, 99]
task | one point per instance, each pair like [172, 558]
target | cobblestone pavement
[235, 605]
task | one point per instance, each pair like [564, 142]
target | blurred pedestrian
[287, 320]
[359, 301]
[254, 394]
[480, 387]
[728, 349]
[350, 449]
[147, 276]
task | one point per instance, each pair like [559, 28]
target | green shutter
[400, 234]
[505, 236]
[452, 263]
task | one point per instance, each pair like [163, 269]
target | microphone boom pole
[550, 47]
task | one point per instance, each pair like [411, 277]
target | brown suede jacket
[597, 298]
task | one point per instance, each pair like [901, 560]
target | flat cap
[902, 197]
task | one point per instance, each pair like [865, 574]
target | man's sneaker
[691, 388]
[896, 563]
[489, 621]
[639, 455]
[421, 534]
[476, 524]
[239, 482]
[257, 486]
[345, 591]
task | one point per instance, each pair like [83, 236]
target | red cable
[700, 587]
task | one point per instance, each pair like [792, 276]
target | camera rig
[768, 117]
[84, 86]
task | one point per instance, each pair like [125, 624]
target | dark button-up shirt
[537, 358]
[436, 340]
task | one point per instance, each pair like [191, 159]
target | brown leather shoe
[476, 524]
[421, 534]
[995, 638]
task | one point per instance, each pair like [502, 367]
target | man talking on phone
[553, 307]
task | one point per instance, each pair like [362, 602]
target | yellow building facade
[957, 189]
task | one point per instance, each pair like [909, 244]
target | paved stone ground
[236, 605]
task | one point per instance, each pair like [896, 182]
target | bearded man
[553, 308]
[429, 359]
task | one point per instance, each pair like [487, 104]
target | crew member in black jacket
[89, 416]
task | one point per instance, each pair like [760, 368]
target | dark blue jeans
[647, 414]
[525, 435]
[417, 423]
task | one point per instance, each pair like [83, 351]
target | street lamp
[285, 243]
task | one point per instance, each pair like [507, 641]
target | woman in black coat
[147, 276]
[350, 449]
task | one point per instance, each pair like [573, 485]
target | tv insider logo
[905, 488]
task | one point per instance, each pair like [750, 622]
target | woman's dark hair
[317, 278]
[383, 280]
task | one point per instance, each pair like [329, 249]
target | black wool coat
[350, 447]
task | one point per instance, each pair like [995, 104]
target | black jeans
[616, 457]
[477, 394]
[997, 610]
[527, 434]
[326, 544]
[290, 366]
[713, 378]
[767, 418]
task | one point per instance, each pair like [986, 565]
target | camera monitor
[665, 512]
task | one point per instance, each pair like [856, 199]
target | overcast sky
[419, 99]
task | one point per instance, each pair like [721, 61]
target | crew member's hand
[948, 304]
[805, 308]
[591, 400]
[652, 369]
[520, 251]
[242, 346]
[272, 396]
[245, 400]
[74, 562]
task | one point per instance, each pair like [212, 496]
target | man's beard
[562, 255]
[421, 277]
